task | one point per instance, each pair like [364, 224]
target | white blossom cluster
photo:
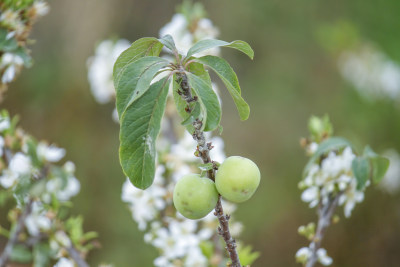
[100, 69]
[371, 72]
[304, 253]
[333, 176]
[14, 28]
[33, 166]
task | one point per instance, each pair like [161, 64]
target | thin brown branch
[203, 151]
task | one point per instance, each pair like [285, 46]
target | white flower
[101, 69]
[4, 123]
[371, 72]
[20, 164]
[50, 153]
[64, 262]
[8, 179]
[145, 204]
[62, 239]
[178, 29]
[37, 221]
[41, 8]
[303, 254]
[194, 258]
[63, 191]
[163, 261]
[323, 257]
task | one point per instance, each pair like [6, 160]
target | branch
[76, 256]
[203, 149]
[325, 213]
[15, 233]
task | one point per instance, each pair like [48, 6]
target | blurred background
[311, 58]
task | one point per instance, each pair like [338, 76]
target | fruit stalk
[203, 151]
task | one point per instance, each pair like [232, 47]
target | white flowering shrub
[41, 188]
[336, 175]
[36, 184]
[16, 20]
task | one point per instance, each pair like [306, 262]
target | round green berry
[237, 179]
[195, 196]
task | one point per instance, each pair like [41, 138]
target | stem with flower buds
[325, 213]
[203, 151]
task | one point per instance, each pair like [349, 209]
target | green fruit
[195, 196]
[237, 179]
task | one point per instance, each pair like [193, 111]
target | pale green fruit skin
[237, 179]
[195, 196]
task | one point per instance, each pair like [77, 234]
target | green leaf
[333, 143]
[135, 79]
[168, 41]
[209, 103]
[379, 164]
[247, 256]
[212, 43]
[41, 255]
[140, 126]
[229, 78]
[206, 166]
[361, 170]
[7, 45]
[21, 254]
[148, 46]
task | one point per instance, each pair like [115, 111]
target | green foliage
[141, 105]
[21, 254]
[361, 170]
[320, 128]
[247, 256]
[229, 78]
[378, 164]
[140, 126]
[211, 43]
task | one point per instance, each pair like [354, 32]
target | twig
[15, 233]
[203, 149]
[76, 256]
[325, 213]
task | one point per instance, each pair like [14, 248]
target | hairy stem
[325, 213]
[203, 151]
[15, 233]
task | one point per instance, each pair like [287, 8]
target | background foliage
[292, 77]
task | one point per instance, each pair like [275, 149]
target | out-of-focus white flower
[12, 19]
[145, 204]
[391, 181]
[323, 257]
[63, 239]
[303, 254]
[37, 220]
[1, 145]
[69, 167]
[49, 153]
[8, 179]
[195, 258]
[63, 190]
[41, 8]
[11, 63]
[178, 28]
[371, 72]
[4, 123]
[101, 69]
[64, 262]
[20, 164]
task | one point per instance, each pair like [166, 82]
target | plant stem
[203, 149]
[15, 233]
[76, 256]
[325, 213]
